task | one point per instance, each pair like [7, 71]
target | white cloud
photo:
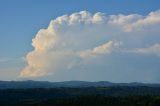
[151, 50]
[103, 49]
[135, 22]
[72, 38]
[149, 21]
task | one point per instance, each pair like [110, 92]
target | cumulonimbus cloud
[81, 35]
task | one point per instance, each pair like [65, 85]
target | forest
[85, 96]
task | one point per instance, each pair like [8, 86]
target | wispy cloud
[151, 50]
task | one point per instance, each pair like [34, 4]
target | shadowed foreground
[89, 96]
[92, 100]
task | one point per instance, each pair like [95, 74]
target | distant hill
[72, 84]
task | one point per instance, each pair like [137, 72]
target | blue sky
[20, 21]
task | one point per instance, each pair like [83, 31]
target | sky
[60, 40]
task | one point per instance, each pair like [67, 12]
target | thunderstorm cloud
[83, 38]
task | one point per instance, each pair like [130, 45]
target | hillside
[46, 84]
